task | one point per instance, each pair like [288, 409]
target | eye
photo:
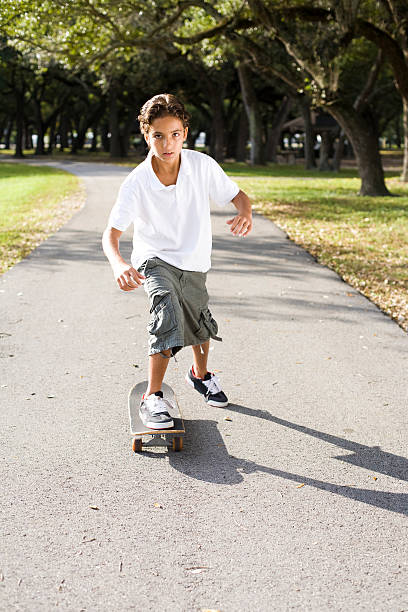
[157, 136]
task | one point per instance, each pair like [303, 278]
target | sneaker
[154, 413]
[210, 387]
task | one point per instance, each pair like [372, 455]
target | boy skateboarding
[167, 198]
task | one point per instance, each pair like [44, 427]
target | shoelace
[213, 385]
[156, 404]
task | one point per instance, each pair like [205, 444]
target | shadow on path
[206, 458]
[371, 458]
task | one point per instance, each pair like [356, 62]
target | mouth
[167, 154]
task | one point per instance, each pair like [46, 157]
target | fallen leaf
[50, 396]
[301, 485]
[94, 507]
[197, 570]
[135, 365]
[227, 419]
[157, 505]
[120, 566]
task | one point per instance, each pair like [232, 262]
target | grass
[34, 202]
[365, 240]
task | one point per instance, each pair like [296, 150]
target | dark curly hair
[162, 105]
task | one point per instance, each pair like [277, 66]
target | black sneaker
[153, 411]
[210, 387]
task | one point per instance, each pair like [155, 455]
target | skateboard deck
[144, 436]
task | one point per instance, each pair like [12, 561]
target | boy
[167, 198]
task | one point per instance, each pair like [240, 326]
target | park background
[306, 103]
[294, 496]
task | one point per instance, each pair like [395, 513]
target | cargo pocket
[163, 318]
[148, 264]
[208, 325]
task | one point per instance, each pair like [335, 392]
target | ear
[185, 134]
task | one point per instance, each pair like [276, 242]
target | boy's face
[165, 138]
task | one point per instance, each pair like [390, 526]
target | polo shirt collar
[155, 184]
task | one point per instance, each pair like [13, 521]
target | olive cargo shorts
[179, 314]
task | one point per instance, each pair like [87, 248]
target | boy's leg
[203, 381]
[157, 369]
[200, 357]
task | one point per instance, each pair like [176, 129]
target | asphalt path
[292, 498]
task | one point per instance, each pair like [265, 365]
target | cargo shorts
[179, 313]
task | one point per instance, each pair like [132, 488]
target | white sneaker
[154, 413]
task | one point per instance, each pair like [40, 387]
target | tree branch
[363, 97]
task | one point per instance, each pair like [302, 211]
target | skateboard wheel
[137, 445]
[177, 444]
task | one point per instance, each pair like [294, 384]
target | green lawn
[363, 239]
[34, 202]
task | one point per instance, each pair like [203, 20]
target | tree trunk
[325, 149]
[79, 140]
[253, 113]
[7, 136]
[39, 124]
[115, 148]
[309, 144]
[362, 133]
[105, 138]
[63, 131]
[51, 143]
[94, 145]
[28, 136]
[217, 141]
[127, 130]
[338, 151]
[3, 123]
[274, 132]
[404, 176]
[242, 137]
[19, 98]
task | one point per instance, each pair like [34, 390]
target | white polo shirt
[173, 222]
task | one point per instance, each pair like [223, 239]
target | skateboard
[144, 436]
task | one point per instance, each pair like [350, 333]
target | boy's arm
[241, 224]
[127, 277]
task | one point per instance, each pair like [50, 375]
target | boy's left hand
[241, 225]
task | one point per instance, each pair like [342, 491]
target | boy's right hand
[128, 278]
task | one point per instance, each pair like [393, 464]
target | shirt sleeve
[124, 210]
[221, 188]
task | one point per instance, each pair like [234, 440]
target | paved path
[299, 502]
